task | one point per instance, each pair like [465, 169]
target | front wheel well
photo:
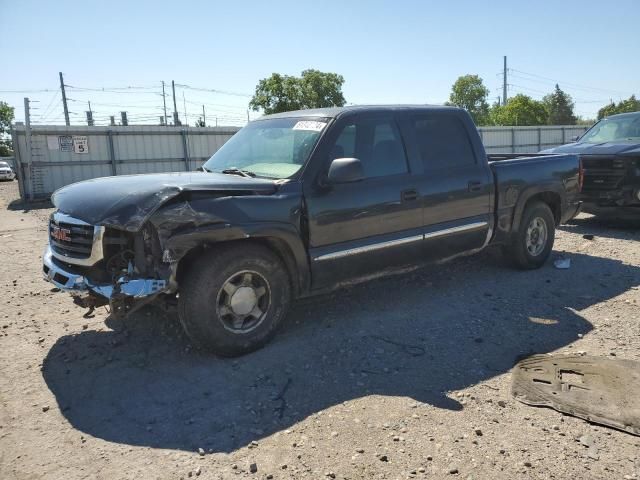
[277, 246]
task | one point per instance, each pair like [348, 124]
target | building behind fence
[50, 157]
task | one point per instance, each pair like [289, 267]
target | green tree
[520, 110]
[6, 118]
[585, 121]
[559, 107]
[631, 104]
[469, 92]
[313, 89]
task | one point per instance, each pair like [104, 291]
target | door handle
[474, 186]
[409, 195]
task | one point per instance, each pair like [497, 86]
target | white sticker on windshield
[309, 125]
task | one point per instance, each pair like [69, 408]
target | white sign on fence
[66, 143]
[52, 143]
[80, 144]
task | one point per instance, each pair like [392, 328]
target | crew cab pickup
[298, 203]
[610, 153]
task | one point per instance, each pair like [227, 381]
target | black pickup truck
[610, 153]
[298, 203]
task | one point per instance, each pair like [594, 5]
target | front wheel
[233, 299]
[531, 245]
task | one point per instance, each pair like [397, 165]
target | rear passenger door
[366, 226]
[456, 187]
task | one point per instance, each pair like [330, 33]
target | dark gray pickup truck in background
[610, 153]
[298, 203]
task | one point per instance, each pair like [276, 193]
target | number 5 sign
[80, 144]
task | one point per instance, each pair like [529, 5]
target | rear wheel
[531, 245]
[233, 299]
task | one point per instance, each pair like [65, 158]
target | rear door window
[443, 142]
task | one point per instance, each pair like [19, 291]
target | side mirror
[575, 138]
[345, 170]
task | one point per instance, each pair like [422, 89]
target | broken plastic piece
[562, 263]
[599, 390]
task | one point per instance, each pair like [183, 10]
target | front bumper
[7, 176]
[78, 284]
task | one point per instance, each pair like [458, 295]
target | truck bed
[523, 175]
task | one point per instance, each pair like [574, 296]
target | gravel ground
[403, 377]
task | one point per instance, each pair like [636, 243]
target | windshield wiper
[238, 171]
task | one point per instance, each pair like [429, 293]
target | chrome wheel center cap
[243, 300]
[535, 236]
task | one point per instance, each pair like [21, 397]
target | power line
[28, 91]
[50, 104]
[212, 90]
[573, 85]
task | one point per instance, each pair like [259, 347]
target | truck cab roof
[335, 112]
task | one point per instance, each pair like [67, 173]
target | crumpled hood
[609, 148]
[127, 201]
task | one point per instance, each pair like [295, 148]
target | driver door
[356, 229]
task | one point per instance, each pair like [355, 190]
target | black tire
[528, 256]
[203, 301]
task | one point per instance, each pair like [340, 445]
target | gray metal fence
[49, 157]
[527, 139]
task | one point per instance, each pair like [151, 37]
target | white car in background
[6, 173]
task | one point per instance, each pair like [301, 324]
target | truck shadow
[619, 229]
[419, 335]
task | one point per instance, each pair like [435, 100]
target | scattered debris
[253, 468]
[280, 397]
[562, 263]
[413, 350]
[597, 389]
[588, 236]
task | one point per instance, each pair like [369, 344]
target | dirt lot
[405, 377]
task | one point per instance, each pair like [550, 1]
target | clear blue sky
[387, 51]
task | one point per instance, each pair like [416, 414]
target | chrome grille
[75, 241]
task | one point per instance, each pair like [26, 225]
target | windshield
[273, 148]
[621, 129]
[4, 165]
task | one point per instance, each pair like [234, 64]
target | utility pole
[504, 82]
[248, 116]
[204, 117]
[175, 108]
[89, 115]
[64, 101]
[184, 104]
[164, 104]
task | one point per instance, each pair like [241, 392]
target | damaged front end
[101, 265]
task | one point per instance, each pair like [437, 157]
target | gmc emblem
[60, 234]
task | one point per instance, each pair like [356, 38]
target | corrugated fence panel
[527, 139]
[58, 155]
